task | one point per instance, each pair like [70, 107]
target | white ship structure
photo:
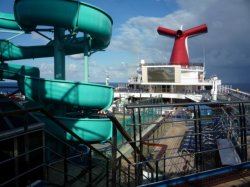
[177, 81]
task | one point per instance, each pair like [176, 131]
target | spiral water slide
[76, 17]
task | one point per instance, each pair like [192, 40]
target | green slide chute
[69, 14]
[10, 51]
[92, 96]
[75, 17]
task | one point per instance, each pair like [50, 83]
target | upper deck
[162, 74]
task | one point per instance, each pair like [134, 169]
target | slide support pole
[86, 55]
[59, 62]
[59, 54]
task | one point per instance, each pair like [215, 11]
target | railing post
[16, 160]
[245, 130]
[136, 174]
[152, 176]
[90, 167]
[241, 134]
[135, 143]
[114, 155]
[128, 175]
[120, 170]
[141, 146]
[107, 173]
[45, 170]
[157, 169]
[26, 147]
[164, 165]
[195, 138]
[124, 122]
[200, 138]
[65, 164]
[244, 133]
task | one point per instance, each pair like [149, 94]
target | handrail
[122, 155]
[51, 117]
[59, 123]
[72, 133]
[131, 106]
[22, 174]
[127, 137]
[20, 155]
[155, 128]
[61, 171]
[202, 175]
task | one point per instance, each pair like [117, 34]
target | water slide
[74, 16]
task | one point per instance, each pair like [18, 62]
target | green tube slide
[13, 71]
[92, 96]
[10, 51]
[79, 16]
[74, 16]
[92, 130]
[69, 14]
[8, 21]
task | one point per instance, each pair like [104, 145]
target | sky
[225, 48]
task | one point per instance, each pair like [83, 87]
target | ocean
[11, 86]
[6, 86]
[245, 87]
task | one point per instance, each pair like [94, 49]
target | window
[161, 74]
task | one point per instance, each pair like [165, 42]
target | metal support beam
[59, 62]
[86, 56]
[59, 54]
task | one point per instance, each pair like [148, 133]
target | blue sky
[226, 45]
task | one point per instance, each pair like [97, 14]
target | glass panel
[160, 74]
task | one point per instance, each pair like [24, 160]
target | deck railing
[61, 161]
[180, 145]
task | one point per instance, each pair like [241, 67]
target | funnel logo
[180, 50]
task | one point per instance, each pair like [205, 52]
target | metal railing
[179, 146]
[56, 160]
[52, 159]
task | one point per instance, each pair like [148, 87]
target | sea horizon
[245, 87]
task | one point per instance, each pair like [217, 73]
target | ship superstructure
[179, 79]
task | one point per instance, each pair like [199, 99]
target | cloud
[226, 44]
[139, 35]
[116, 72]
[74, 70]
[77, 56]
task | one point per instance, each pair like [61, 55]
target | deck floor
[176, 162]
[242, 182]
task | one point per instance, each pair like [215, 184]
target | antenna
[204, 60]
[204, 56]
